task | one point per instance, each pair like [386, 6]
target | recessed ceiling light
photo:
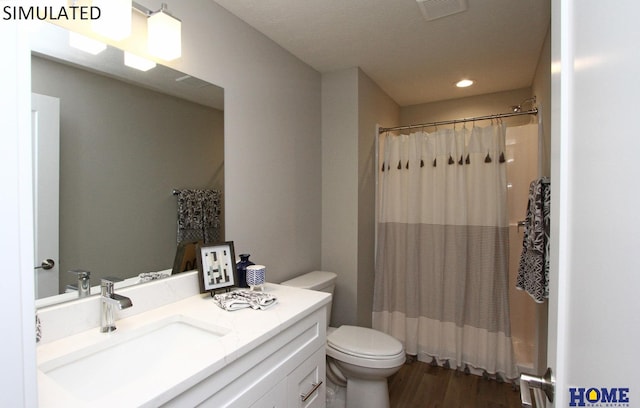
[464, 83]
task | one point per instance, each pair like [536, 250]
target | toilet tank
[321, 281]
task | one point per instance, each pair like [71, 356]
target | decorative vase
[242, 270]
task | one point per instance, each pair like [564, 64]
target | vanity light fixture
[86, 44]
[164, 32]
[115, 19]
[164, 35]
[464, 83]
[134, 61]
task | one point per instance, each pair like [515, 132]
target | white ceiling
[494, 42]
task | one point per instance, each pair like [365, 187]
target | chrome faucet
[84, 286]
[108, 300]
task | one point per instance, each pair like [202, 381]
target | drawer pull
[315, 386]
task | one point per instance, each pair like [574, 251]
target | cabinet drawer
[306, 384]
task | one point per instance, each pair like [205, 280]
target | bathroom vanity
[192, 353]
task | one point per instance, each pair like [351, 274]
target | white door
[45, 129]
[594, 322]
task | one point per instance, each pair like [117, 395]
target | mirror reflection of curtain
[441, 284]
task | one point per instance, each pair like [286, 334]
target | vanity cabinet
[304, 387]
[188, 353]
[277, 397]
[274, 373]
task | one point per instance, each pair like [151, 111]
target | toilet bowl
[366, 358]
[358, 357]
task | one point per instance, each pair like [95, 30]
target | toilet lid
[365, 342]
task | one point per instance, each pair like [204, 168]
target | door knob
[546, 383]
[46, 264]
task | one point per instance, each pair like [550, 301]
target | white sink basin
[127, 357]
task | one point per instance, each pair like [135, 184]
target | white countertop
[248, 329]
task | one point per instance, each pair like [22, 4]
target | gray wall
[471, 106]
[272, 137]
[340, 189]
[352, 106]
[122, 151]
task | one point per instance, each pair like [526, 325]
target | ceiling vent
[433, 9]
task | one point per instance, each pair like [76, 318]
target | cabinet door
[306, 384]
[276, 398]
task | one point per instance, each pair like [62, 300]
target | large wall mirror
[127, 140]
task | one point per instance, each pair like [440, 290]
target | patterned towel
[242, 299]
[199, 216]
[149, 276]
[533, 273]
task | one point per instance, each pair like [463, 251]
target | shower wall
[522, 167]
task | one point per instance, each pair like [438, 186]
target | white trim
[561, 83]
[17, 309]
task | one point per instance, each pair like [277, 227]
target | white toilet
[364, 357]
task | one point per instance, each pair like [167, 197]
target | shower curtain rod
[533, 111]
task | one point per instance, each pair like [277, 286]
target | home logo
[599, 397]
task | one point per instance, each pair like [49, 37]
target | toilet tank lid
[312, 280]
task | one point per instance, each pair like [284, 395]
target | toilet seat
[364, 347]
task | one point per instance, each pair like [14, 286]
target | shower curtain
[442, 248]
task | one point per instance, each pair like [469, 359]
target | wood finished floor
[419, 385]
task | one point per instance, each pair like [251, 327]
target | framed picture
[216, 266]
[186, 258]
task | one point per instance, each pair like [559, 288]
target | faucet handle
[106, 287]
[107, 284]
[82, 274]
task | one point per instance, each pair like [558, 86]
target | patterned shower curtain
[442, 249]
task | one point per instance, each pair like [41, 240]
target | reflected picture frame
[216, 266]
[186, 258]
